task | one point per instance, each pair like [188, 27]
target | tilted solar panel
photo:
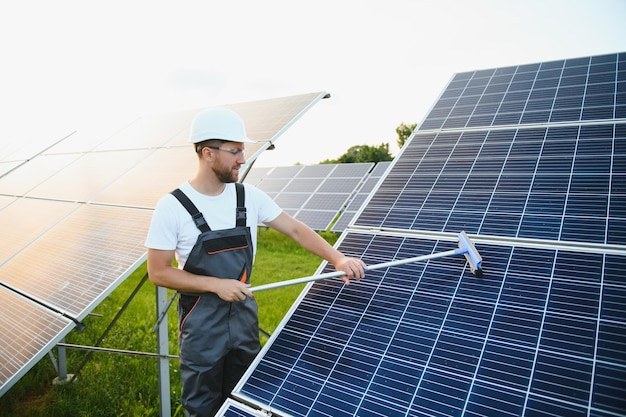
[556, 183]
[75, 216]
[542, 331]
[571, 90]
[314, 194]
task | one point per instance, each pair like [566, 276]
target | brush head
[471, 254]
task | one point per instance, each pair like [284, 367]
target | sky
[76, 65]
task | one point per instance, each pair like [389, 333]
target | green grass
[123, 385]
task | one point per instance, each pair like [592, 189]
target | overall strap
[241, 205]
[198, 218]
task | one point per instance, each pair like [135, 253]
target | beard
[224, 174]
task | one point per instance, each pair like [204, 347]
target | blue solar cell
[591, 230]
[609, 391]
[614, 270]
[562, 377]
[616, 234]
[611, 340]
[546, 204]
[539, 405]
[235, 412]
[440, 394]
[486, 398]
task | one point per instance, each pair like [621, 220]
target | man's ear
[207, 152]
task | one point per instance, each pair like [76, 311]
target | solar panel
[561, 183]
[529, 160]
[314, 194]
[572, 90]
[542, 330]
[75, 214]
[18, 149]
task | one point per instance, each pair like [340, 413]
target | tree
[404, 133]
[367, 153]
[363, 153]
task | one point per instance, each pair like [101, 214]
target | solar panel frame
[231, 408]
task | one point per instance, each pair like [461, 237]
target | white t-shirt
[172, 227]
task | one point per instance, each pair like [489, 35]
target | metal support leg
[61, 367]
[162, 306]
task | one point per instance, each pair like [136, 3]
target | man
[209, 226]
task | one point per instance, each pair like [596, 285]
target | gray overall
[217, 339]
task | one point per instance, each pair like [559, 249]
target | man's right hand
[231, 290]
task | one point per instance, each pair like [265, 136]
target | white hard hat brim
[206, 137]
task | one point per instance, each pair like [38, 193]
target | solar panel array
[75, 214]
[530, 161]
[313, 194]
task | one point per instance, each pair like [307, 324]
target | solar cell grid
[25, 220]
[26, 177]
[559, 181]
[255, 174]
[150, 131]
[83, 178]
[314, 194]
[316, 171]
[285, 172]
[146, 182]
[302, 185]
[546, 85]
[542, 333]
[110, 238]
[27, 332]
[317, 219]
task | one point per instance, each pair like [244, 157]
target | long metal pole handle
[327, 275]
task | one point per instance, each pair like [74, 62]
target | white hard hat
[218, 123]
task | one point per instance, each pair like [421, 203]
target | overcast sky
[67, 65]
